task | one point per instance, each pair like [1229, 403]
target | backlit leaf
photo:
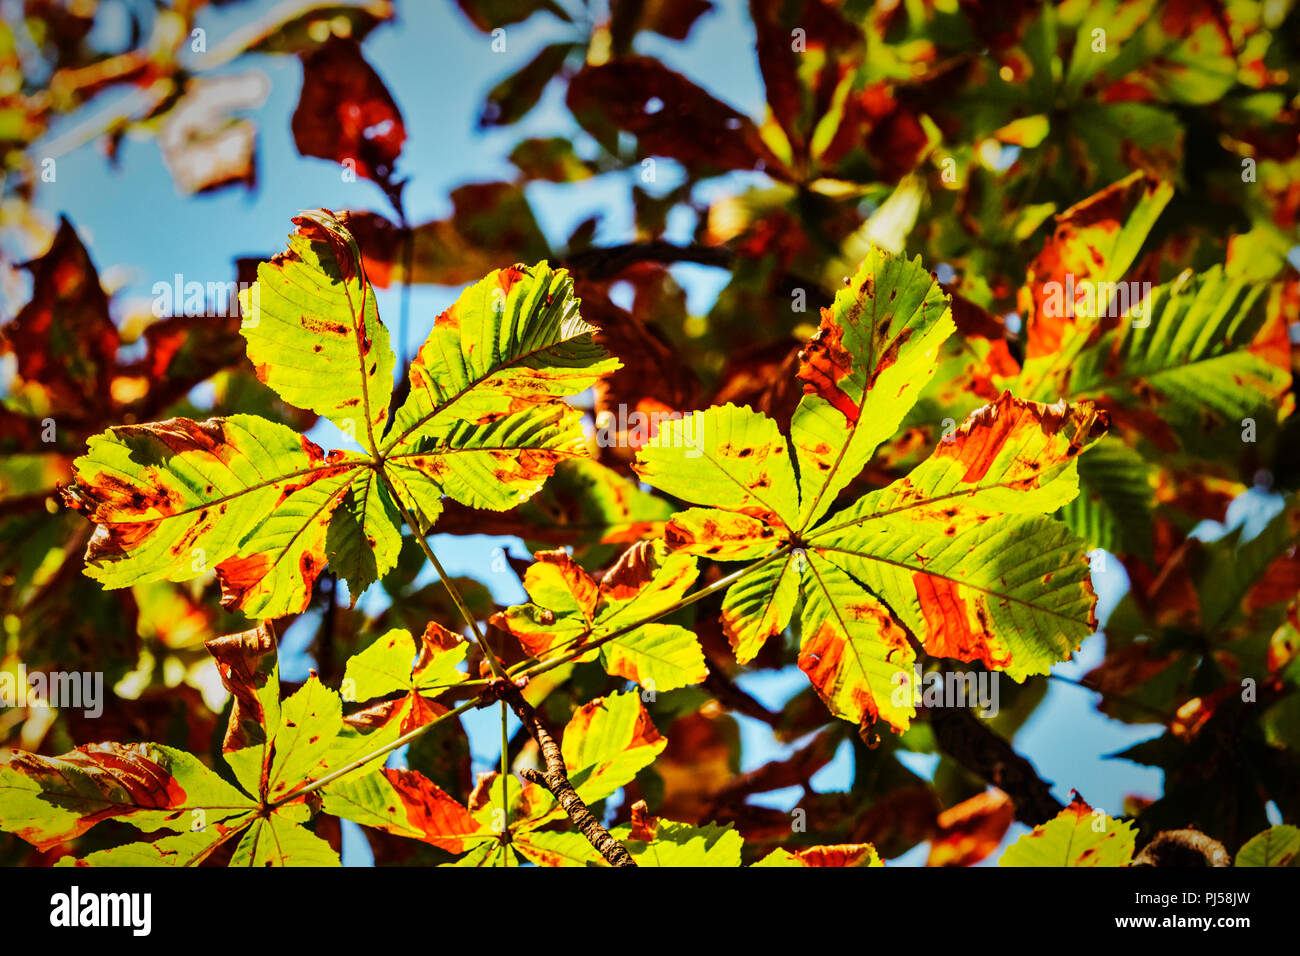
[175, 498]
[957, 553]
[570, 609]
[313, 329]
[49, 800]
[393, 663]
[847, 854]
[1078, 836]
[1276, 846]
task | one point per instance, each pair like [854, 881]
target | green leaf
[484, 422]
[313, 329]
[1190, 356]
[488, 853]
[275, 747]
[659, 657]
[844, 854]
[760, 604]
[1276, 846]
[279, 839]
[511, 340]
[405, 803]
[1113, 509]
[549, 848]
[496, 465]
[50, 800]
[957, 551]
[569, 610]
[184, 849]
[1013, 592]
[392, 663]
[852, 650]
[1077, 836]
[247, 496]
[309, 722]
[876, 349]
[1235, 567]
[662, 843]
[1095, 242]
[607, 742]
[731, 458]
[364, 537]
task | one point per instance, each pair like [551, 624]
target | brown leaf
[970, 831]
[346, 114]
[669, 115]
[64, 338]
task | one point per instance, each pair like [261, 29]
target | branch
[493, 663]
[728, 693]
[556, 779]
[975, 747]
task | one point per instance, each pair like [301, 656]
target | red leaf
[346, 114]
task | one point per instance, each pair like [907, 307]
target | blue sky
[439, 68]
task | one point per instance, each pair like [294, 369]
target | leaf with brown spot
[393, 663]
[50, 800]
[956, 553]
[1077, 836]
[843, 854]
[1202, 355]
[406, 803]
[877, 347]
[569, 609]
[173, 499]
[1095, 241]
[313, 328]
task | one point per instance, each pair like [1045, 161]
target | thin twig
[493, 663]
[556, 779]
[388, 748]
[505, 782]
